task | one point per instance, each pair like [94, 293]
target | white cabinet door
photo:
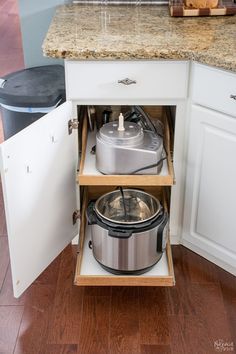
[38, 168]
[210, 200]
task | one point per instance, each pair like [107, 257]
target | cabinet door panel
[38, 167]
[210, 211]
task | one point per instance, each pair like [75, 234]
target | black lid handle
[160, 232]
[91, 215]
[119, 234]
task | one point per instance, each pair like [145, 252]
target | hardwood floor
[56, 317]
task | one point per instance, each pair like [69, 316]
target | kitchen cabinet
[42, 199]
[47, 183]
[209, 226]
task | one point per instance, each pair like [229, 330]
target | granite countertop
[140, 32]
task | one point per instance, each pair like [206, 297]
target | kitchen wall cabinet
[209, 226]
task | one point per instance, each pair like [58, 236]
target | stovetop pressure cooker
[129, 231]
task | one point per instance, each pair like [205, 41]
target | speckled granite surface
[140, 32]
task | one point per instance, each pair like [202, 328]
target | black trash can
[29, 94]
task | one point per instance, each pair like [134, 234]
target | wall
[35, 18]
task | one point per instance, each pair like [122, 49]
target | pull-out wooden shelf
[89, 272]
[88, 175]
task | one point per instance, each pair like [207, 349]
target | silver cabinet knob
[233, 97]
[127, 81]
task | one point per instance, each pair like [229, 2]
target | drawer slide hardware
[127, 81]
[75, 216]
[72, 124]
[233, 97]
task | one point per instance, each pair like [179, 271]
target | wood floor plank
[156, 299]
[37, 313]
[10, 319]
[6, 294]
[65, 324]
[155, 349]
[228, 289]
[154, 329]
[11, 53]
[60, 349]
[188, 335]
[209, 307]
[201, 271]
[94, 337]
[4, 259]
[97, 291]
[124, 321]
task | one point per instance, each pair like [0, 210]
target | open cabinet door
[38, 169]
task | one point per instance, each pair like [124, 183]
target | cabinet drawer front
[93, 81]
[215, 89]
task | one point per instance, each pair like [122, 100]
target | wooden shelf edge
[124, 180]
[91, 280]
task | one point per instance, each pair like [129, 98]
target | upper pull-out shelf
[89, 175]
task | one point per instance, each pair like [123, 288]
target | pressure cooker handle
[119, 234]
[160, 231]
[90, 213]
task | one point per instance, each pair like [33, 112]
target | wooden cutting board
[225, 7]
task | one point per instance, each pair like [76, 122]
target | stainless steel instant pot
[129, 231]
[130, 150]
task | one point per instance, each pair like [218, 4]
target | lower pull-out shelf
[89, 271]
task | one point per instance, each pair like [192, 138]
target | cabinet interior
[93, 184]
[87, 172]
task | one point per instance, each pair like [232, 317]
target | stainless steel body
[135, 253]
[128, 151]
[129, 230]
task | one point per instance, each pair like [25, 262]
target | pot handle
[90, 213]
[119, 234]
[160, 231]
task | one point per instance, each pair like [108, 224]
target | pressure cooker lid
[128, 206]
[130, 136]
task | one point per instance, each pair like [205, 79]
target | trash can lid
[41, 86]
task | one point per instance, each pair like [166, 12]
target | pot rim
[159, 208]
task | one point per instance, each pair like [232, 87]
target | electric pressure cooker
[129, 231]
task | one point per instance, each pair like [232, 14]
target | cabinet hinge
[75, 216]
[72, 124]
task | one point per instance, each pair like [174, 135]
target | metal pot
[127, 241]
